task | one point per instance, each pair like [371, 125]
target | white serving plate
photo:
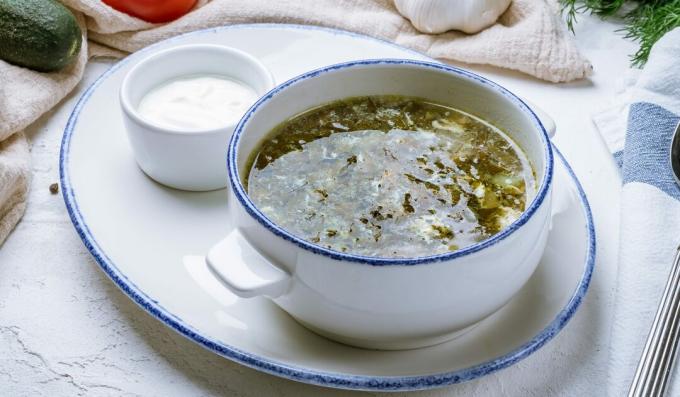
[139, 232]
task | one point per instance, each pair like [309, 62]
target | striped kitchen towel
[650, 204]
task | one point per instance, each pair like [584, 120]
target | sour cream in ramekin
[180, 106]
[197, 102]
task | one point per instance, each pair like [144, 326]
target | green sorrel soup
[389, 176]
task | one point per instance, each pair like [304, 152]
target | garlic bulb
[438, 16]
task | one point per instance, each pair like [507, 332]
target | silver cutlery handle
[651, 376]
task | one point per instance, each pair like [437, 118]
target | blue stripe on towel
[646, 153]
[618, 157]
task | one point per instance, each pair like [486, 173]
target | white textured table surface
[66, 330]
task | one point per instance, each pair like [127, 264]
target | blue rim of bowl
[249, 206]
[300, 374]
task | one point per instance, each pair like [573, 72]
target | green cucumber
[42, 35]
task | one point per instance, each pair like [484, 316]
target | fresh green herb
[443, 232]
[407, 204]
[646, 21]
[323, 193]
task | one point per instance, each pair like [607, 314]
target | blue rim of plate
[327, 379]
[249, 206]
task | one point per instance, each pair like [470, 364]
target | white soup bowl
[373, 302]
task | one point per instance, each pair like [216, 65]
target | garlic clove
[439, 16]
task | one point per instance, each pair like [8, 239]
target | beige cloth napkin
[529, 37]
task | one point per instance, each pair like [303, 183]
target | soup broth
[389, 176]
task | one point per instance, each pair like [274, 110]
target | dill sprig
[645, 23]
[648, 23]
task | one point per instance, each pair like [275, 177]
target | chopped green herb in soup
[389, 176]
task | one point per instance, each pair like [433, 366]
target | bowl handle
[251, 274]
[546, 120]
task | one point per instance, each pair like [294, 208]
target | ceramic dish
[138, 232]
[384, 303]
[188, 160]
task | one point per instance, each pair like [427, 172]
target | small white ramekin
[187, 160]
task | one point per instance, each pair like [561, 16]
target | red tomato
[155, 11]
